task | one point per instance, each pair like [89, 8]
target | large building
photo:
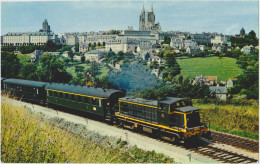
[147, 21]
[45, 26]
[26, 38]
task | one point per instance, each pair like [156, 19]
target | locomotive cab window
[193, 119]
[179, 104]
[177, 120]
[187, 103]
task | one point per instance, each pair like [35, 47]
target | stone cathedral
[147, 21]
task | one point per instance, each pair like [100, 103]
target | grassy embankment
[239, 120]
[28, 139]
[224, 68]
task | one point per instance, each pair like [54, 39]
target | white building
[83, 47]
[248, 49]
[220, 92]
[93, 55]
[219, 39]
[202, 47]
[177, 43]
[123, 44]
[26, 38]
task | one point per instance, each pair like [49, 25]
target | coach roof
[83, 90]
[27, 83]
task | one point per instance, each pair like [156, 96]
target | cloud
[233, 29]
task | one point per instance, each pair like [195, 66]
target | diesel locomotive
[173, 119]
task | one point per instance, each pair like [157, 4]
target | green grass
[224, 68]
[240, 120]
[102, 70]
[71, 70]
[26, 138]
[24, 58]
[241, 133]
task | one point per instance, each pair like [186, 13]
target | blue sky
[226, 17]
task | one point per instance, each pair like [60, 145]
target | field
[235, 119]
[26, 138]
[224, 68]
[102, 70]
[24, 58]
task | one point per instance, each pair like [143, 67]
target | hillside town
[129, 81]
[144, 44]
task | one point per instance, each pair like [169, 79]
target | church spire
[152, 7]
[143, 8]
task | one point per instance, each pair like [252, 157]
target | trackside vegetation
[235, 119]
[28, 139]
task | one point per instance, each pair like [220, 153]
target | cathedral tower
[147, 21]
[45, 26]
[142, 20]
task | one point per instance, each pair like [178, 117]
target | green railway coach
[89, 99]
[26, 89]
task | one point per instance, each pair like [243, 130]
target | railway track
[235, 141]
[222, 155]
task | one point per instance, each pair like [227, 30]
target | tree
[154, 65]
[28, 71]
[82, 59]
[99, 44]
[247, 82]
[10, 64]
[252, 35]
[77, 47]
[167, 40]
[51, 69]
[71, 55]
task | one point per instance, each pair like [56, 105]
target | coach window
[66, 96]
[86, 100]
[94, 102]
[73, 97]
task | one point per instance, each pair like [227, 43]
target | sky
[226, 17]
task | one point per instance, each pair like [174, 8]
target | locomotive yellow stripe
[75, 94]
[161, 126]
[138, 104]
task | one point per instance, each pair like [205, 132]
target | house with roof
[218, 47]
[155, 72]
[36, 55]
[219, 92]
[155, 58]
[211, 80]
[94, 55]
[199, 79]
[192, 49]
[202, 48]
[191, 43]
[248, 49]
[83, 47]
[176, 43]
[231, 82]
